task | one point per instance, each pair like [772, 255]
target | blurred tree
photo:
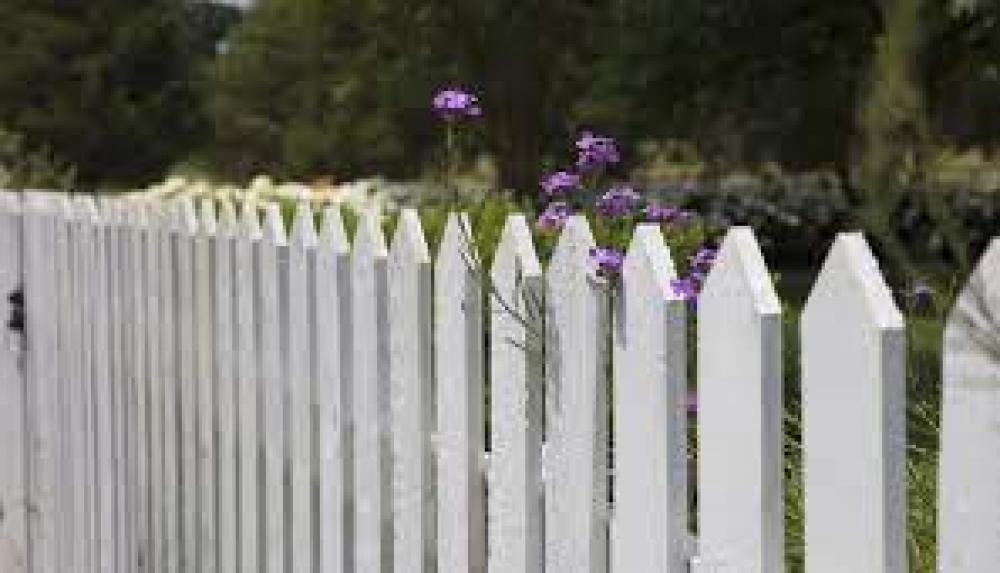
[107, 84]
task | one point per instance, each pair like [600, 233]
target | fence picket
[226, 395]
[411, 396]
[187, 228]
[113, 272]
[576, 405]
[516, 366]
[136, 220]
[248, 388]
[299, 323]
[649, 526]
[271, 250]
[155, 274]
[204, 344]
[741, 514]
[333, 343]
[461, 440]
[969, 506]
[853, 361]
[64, 302]
[372, 463]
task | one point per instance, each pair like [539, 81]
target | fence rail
[197, 389]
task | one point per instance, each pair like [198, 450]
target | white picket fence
[200, 391]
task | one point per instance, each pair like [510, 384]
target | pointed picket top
[304, 226]
[648, 261]
[408, 243]
[332, 232]
[187, 216]
[740, 270]
[274, 225]
[854, 360]
[249, 223]
[368, 238]
[515, 252]
[851, 275]
[206, 216]
[572, 253]
[227, 224]
[969, 494]
[456, 253]
[739, 412]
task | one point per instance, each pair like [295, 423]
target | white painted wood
[412, 394]
[576, 403]
[123, 274]
[332, 291]
[226, 394]
[459, 348]
[169, 382]
[271, 249]
[741, 511]
[370, 372]
[82, 244]
[187, 411]
[136, 218]
[649, 525]
[42, 382]
[154, 281]
[853, 365]
[64, 301]
[298, 327]
[969, 493]
[248, 389]
[13, 488]
[517, 370]
[204, 337]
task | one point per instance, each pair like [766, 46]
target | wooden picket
[740, 514]
[248, 383]
[461, 440]
[576, 407]
[516, 366]
[853, 360]
[649, 526]
[969, 514]
[204, 393]
[370, 398]
[270, 257]
[411, 391]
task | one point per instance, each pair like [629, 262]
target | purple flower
[661, 214]
[691, 403]
[560, 182]
[922, 296]
[608, 261]
[702, 261]
[596, 151]
[453, 104]
[687, 288]
[554, 216]
[618, 201]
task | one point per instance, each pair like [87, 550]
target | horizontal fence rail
[196, 387]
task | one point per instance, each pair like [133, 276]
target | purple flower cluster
[607, 260]
[453, 104]
[689, 287]
[554, 216]
[560, 182]
[619, 201]
[654, 213]
[596, 151]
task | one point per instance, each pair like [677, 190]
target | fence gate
[13, 498]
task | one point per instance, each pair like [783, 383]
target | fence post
[969, 492]
[412, 396]
[370, 372]
[136, 220]
[854, 419]
[272, 248]
[63, 307]
[154, 281]
[299, 378]
[649, 526]
[13, 488]
[226, 395]
[577, 410]
[740, 414]
[333, 343]
[516, 365]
